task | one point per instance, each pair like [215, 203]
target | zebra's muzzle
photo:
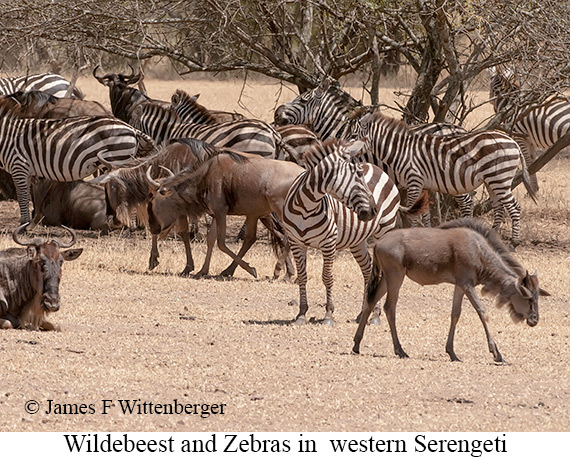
[368, 214]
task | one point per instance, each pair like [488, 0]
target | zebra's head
[343, 178]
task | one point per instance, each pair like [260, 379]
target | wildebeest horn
[73, 238]
[151, 182]
[104, 161]
[168, 170]
[16, 236]
[98, 78]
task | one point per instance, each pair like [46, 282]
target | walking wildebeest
[76, 204]
[29, 281]
[45, 106]
[226, 183]
[464, 252]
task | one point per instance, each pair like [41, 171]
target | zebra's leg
[472, 296]
[329, 253]
[250, 236]
[412, 194]
[498, 210]
[300, 255]
[514, 209]
[362, 257]
[455, 314]
[221, 238]
[22, 184]
[465, 203]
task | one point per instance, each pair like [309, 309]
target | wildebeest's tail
[373, 282]
[420, 206]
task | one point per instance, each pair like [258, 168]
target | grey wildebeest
[45, 106]
[224, 183]
[29, 281]
[463, 252]
[77, 204]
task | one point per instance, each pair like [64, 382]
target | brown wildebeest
[45, 106]
[29, 281]
[76, 204]
[464, 252]
[226, 183]
[127, 189]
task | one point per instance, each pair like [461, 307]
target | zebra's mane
[342, 97]
[391, 122]
[318, 152]
[181, 97]
[205, 152]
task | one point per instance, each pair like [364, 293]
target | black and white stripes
[312, 217]
[46, 82]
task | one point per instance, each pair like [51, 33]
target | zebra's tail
[526, 180]
[420, 206]
[285, 151]
[277, 234]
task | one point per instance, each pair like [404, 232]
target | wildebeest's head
[46, 259]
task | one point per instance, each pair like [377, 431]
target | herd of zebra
[345, 164]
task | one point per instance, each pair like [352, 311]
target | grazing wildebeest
[464, 252]
[127, 189]
[29, 281]
[225, 183]
[76, 204]
[45, 106]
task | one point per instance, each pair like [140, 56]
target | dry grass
[133, 334]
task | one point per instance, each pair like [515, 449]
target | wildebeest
[127, 189]
[76, 204]
[224, 183]
[45, 106]
[29, 281]
[464, 252]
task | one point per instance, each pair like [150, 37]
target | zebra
[248, 135]
[63, 149]
[337, 204]
[189, 110]
[454, 165]
[50, 83]
[536, 127]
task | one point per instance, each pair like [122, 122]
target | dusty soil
[130, 334]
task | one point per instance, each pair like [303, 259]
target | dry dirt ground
[131, 334]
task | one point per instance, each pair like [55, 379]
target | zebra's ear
[353, 149]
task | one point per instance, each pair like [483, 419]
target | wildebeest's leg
[329, 253]
[210, 242]
[184, 232]
[362, 257]
[221, 223]
[375, 290]
[300, 255]
[394, 281]
[472, 296]
[455, 313]
[250, 237]
[153, 260]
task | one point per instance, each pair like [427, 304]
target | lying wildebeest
[29, 281]
[464, 252]
[127, 189]
[76, 204]
[45, 106]
[225, 183]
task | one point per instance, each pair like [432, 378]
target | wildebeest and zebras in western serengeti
[453, 165]
[337, 204]
[463, 252]
[29, 281]
[538, 126]
[46, 82]
[62, 149]
[225, 182]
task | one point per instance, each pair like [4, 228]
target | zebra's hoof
[301, 320]
[374, 321]
[328, 321]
